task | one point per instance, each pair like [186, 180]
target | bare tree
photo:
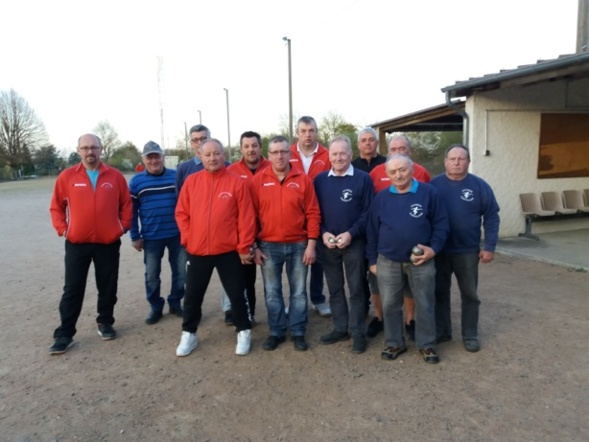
[21, 131]
[109, 137]
[332, 125]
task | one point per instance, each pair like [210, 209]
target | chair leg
[528, 232]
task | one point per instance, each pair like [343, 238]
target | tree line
[25, 149]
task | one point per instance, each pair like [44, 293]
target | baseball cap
[152, 147]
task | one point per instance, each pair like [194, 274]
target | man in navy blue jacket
[408, 214]
[154, 229]
[468, 200]
[344, 194]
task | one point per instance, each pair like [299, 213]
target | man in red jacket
[288, 216]
[91, 208]
[251, 163]
[217, 227]
[308, 155]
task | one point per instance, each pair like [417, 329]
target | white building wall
[504, 141]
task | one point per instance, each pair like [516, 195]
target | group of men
[305, 207]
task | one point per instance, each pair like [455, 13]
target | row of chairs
[567, 202]
[552, 205]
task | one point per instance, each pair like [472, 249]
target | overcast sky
[80, 62]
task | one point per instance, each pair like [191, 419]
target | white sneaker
[323, 310]
[188, 342]
[244, 342]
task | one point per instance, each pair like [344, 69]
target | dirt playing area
[529, 382]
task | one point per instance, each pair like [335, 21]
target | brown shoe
[429, 355]
[391, 353]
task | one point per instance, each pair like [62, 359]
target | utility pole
[228, 125]
[186, 138]
[199, 117]
[160, 86]
[290, 133]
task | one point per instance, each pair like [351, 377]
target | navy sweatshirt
[344, 202]
[399, 221]
[469, 202]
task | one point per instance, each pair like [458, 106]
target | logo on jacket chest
[293, 186]
[416, 210]
[225, 195]
[467, 195]
[346, 195]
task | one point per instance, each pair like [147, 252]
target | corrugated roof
[565, 66]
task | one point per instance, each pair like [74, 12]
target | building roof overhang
[565, 67]
[437, 118]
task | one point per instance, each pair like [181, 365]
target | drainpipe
[465, 128]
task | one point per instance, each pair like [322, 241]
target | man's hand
[486, 256]
[309, 255]
[259, 257]
[428, 253]
[137, 245]
[246, 258]
[329, 240]
[343, 240]
[373, 269]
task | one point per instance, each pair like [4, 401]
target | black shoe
[358, 344]
[333, 337]
[374, 327]
[410, 330]
[61, 345]
[272, 342]
[176, 310]
[443, 338]
[299, 343]
[106, 332]
[391, 353]
[229, 318]
[429, 355]
[471, 344]
[153, 317]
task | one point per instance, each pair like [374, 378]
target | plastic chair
[553, 201]
[573, 199]
[532, 205]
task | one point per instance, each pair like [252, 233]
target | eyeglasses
[279, 152]
[196, 140]
[87, 149]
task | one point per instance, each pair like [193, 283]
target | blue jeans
[346, 312]
[277, 255]
[153, 252]
[391, 281]
[465, 267]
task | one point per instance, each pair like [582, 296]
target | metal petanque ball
[417, 251]
[331, 240]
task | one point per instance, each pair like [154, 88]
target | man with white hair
[344, 196]
[398, 145]
[407, 226]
